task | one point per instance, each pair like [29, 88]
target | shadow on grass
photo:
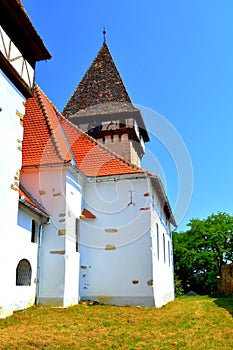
[226, 303]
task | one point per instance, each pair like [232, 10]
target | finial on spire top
[104, 32]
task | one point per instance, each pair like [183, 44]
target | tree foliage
[200, 252]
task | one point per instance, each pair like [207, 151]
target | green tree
[200, 252]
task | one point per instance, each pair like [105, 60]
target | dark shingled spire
[102, 83]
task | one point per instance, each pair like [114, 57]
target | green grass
[187, 323]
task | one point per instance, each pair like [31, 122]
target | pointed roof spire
[104, 32]
[102, 83]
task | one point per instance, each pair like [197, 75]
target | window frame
[23, 273]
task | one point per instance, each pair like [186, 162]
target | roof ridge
[52, 133]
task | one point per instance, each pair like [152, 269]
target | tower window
[23, 273]
[119, 137]
[34, 231]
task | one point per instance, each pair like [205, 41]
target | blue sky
[176, 59]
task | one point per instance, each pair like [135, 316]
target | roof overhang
[14, 77]
[156, 182]
[16, 23]
[34, 209]
[83, 118]
[26, 199]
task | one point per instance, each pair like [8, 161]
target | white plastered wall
[11, 133]
[58, 190]
[116, 256]
[24, 296]
[163, 270]
[72, 256]
[118, 249]
[47, 185]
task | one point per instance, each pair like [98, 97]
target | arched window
[34, 231]
[23, 273]
[77, 235]
[164, 249]
[169, 253]
[157, 230]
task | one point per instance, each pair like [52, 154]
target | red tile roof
[44, 141]
[86, 214]
[28, 199]
[49, 138]
[91, 157]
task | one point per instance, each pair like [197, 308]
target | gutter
[23, 201]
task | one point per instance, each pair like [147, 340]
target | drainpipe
[38, 259]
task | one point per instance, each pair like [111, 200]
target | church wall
[116, 256]
[47, 185]
[60, 192]
[119, 262]
[163, 273]
[11, 133]
[72, 256]
[162, 252]
[17, 297]
[24, 296]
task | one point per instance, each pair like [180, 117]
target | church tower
[101, 106]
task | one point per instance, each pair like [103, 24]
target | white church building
[80, 218]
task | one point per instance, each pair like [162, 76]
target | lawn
[187, 323]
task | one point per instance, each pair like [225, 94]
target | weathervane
[104, 32]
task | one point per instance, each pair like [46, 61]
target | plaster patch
[110, 247]
[56, 194]
[13, 187]
[150, 283]
[147, 194]
[19, 115]
[83, 267]
[110, 230]
[42, 192]
[61, 232]
[147, 208]
[62, 214]
[60, 252]
[135, 281]
[62, 220]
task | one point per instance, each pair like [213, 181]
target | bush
[178, 287]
